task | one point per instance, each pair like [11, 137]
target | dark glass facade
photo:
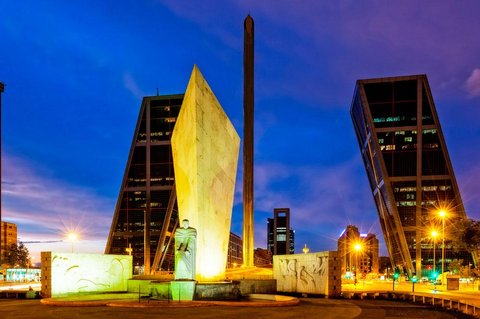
[281, 238]
[408, 168]
[146, 212]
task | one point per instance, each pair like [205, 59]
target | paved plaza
[308, 308]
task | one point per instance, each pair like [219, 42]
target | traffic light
[414, 279]
[434, 276]
[396, 275]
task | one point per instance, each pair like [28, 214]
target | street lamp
[72, 237]
[442, 215]
[357, 248]
[434, 236]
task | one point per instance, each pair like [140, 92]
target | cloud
[131, 85]
[473, 83]
[205, 14]
[344, 42]
[45, 208]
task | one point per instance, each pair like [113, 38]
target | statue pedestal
[182, 290]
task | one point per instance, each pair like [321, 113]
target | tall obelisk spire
[248, 142]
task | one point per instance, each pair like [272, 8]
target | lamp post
[357, 247]
[72, 237]
[442, 214]
[414, 281]
[434, 236]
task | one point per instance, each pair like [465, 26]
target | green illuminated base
[182, 290]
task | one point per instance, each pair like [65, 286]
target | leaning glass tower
[409, 171]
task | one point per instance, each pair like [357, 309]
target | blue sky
[75, 73]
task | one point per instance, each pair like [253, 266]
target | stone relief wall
[64, 273]
[316, 273]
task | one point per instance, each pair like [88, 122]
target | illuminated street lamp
[72, 237]
[434, 236]
[357, 248]
[442, 215]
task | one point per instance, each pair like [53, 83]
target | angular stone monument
[205, 154]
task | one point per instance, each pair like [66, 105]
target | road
[308, 308]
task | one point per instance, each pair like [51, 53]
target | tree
[456, 267]
[17, 256]
[466, 235]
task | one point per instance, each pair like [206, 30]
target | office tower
[369, 257]
[409, 170]
[346, 248]
[8, 232]
[281, 238]
[146, 213]
[358, 251]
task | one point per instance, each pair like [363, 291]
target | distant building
[262, 257]
[363, 260]
[9, 236]
[235, 251]
[368, 260]
[384, 265]
[409, 171]
[281, 238]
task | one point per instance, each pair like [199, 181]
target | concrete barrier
[448, 303]
[432, 300]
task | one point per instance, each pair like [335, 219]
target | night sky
[76, 71]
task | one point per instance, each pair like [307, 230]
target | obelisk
[2, 86]
[248, 142]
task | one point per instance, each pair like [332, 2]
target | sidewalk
[9, 285]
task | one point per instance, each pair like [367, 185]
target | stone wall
[315, 273]
[64, 274]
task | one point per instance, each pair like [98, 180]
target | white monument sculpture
[185, 249]
[205, 154]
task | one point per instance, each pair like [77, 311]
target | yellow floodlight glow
[72, 236]
[442, 213]
[434, 234]
[358, 246]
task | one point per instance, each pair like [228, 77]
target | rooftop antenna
[157, 92]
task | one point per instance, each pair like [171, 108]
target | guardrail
[426, 299]
[448, 303]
